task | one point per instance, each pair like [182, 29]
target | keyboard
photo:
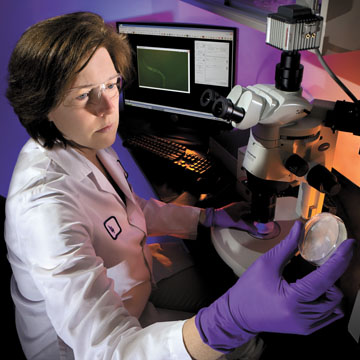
[177, 154]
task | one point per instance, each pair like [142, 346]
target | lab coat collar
[71, 161]
[112, 164]
[78, 166]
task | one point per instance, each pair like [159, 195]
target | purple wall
[256, 60]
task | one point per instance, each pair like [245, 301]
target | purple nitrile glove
[230, 216]
[263, 301]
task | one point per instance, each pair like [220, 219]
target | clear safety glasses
[83, 96]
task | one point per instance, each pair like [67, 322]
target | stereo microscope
[291, 143]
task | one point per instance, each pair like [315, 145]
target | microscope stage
[239, 250]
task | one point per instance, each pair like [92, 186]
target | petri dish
[323, 234]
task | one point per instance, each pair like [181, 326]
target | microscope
[291, 144]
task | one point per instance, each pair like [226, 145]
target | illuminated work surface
[239, 250]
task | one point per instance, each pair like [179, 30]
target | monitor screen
[176, 63]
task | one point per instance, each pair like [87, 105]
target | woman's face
[90, 121]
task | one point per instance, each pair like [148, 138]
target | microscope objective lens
[266, 231]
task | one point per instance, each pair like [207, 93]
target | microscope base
[239, 250]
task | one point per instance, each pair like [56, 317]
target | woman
[76, 232]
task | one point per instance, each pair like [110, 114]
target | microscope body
[289, 148]
[287, 141]
[285, 169]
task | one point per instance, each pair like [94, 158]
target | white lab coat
[79, 257]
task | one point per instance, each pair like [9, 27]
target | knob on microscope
[323, 180]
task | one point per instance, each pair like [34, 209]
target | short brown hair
[47, 59]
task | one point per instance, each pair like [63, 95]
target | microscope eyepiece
[225, 109]
[221, 107]
[208, 98]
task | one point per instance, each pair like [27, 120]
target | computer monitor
[175, 63]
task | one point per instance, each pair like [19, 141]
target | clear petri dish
[323, 234]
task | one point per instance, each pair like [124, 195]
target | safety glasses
[83, 96]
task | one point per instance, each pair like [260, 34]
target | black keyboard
[172, 151]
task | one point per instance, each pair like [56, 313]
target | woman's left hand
[234, 215]
[157, 253]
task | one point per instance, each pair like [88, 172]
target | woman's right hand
[263, 301]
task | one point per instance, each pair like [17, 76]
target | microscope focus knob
[323, 180]
[296, 165]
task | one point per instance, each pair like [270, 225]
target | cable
[335, 78]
